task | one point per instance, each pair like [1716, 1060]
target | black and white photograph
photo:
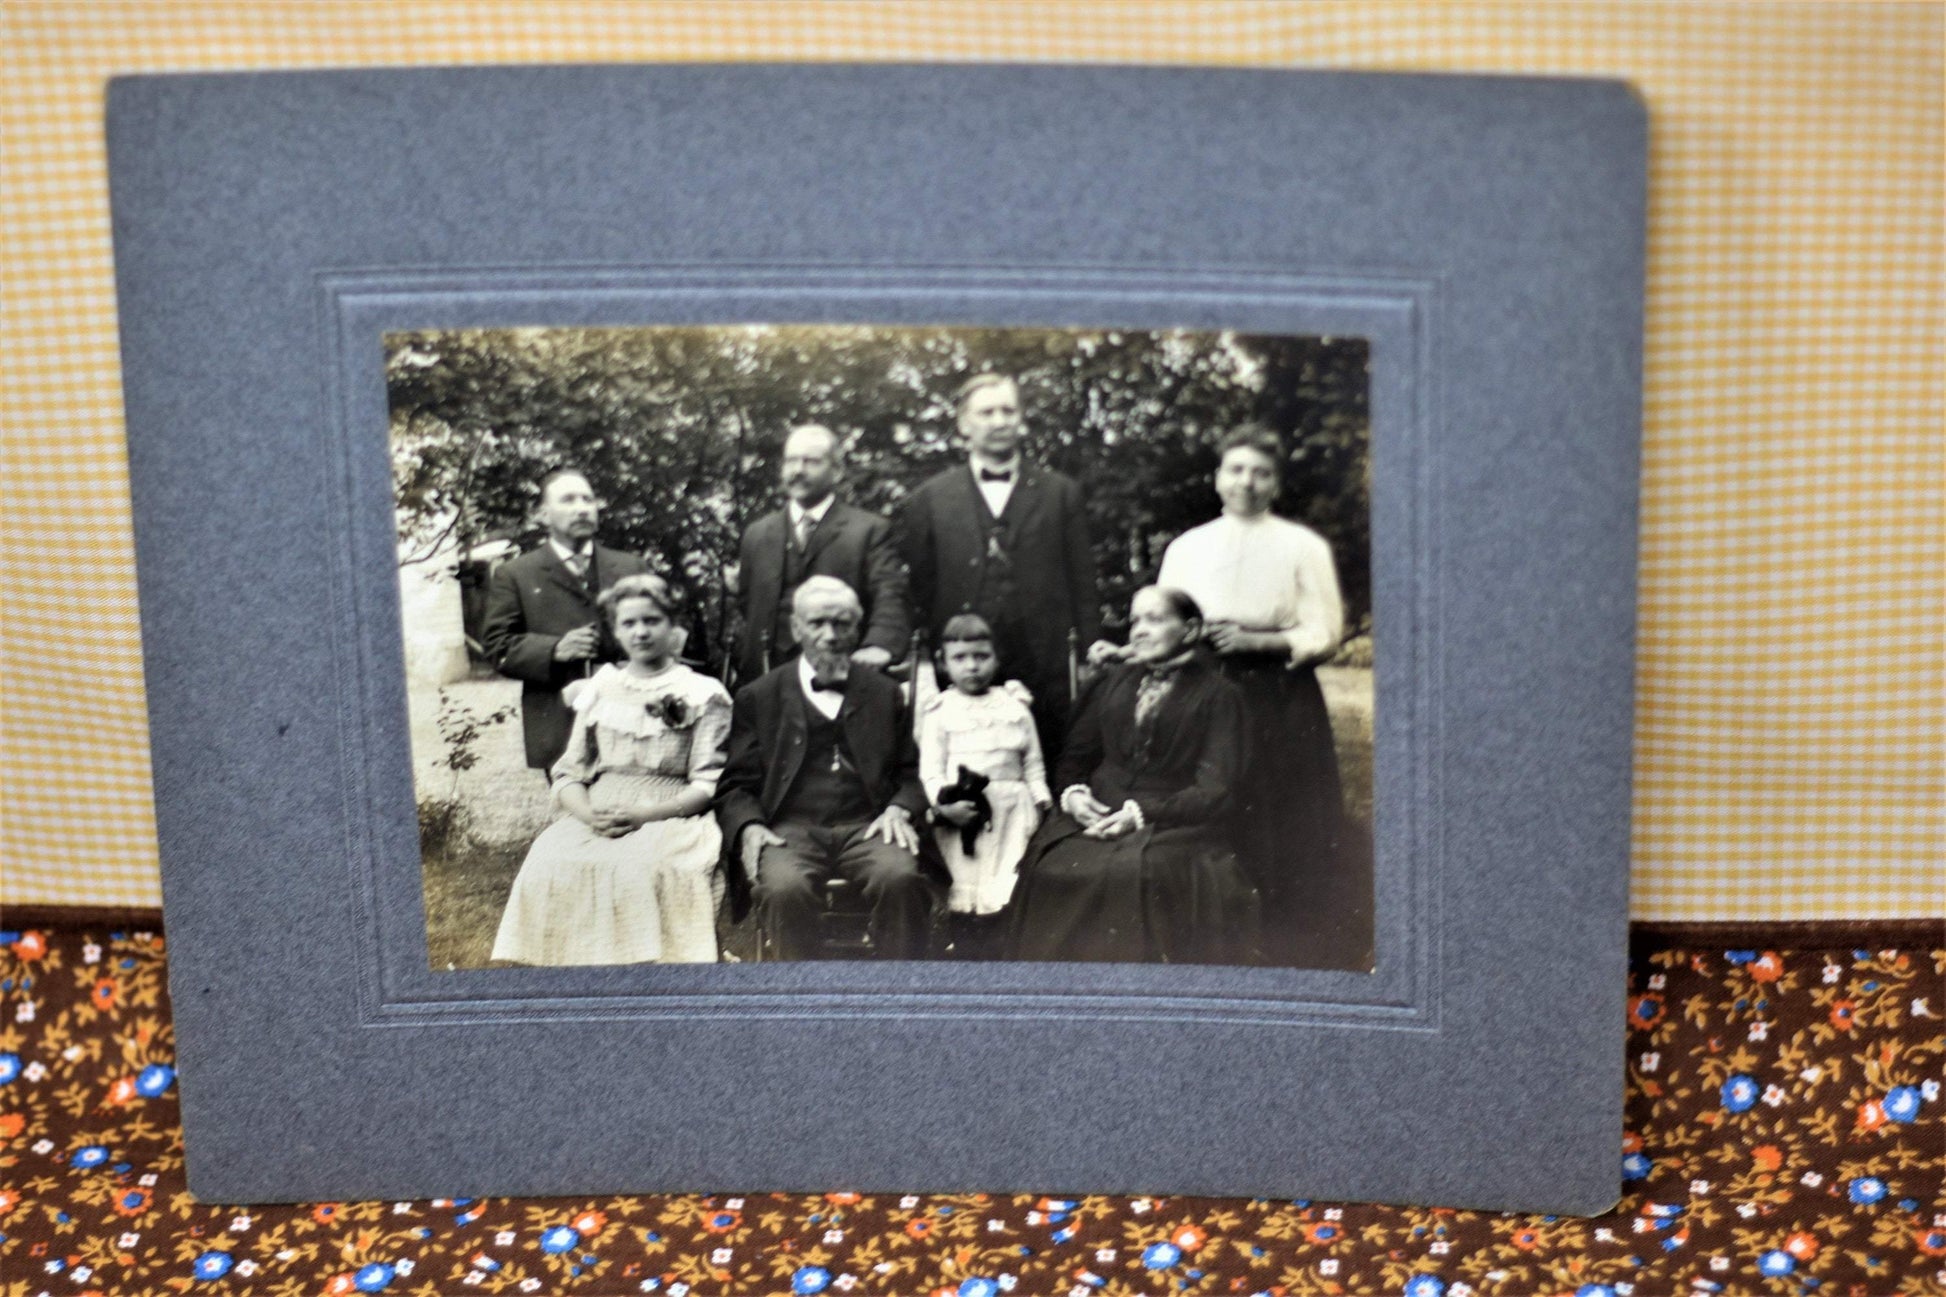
[755, 643]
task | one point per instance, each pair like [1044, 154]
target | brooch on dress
[672, 711]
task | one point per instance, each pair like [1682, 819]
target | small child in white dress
[975, 729]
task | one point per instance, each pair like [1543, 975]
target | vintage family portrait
[792, 642]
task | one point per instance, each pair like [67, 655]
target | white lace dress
[991, 734]
[581, 898]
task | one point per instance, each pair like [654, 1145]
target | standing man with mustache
[1005, 538]
[817, 534]
[541, 626]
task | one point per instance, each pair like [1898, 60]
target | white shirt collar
[564, 553]
[828, 704]
[1012, 466]
[815, 513]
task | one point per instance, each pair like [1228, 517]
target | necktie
[996, 475]
[805, 525]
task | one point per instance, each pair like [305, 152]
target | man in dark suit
[822, 777]
[817, 534]
[541, 624]
[1007, 539]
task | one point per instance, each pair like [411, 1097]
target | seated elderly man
[822, 778]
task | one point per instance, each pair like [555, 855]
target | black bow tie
[999, 475]
[820, 685]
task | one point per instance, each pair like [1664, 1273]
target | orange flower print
[9, 1199]
[103, 996]
[590, 1222]
[1801, 1245]
[1766, 967]
[1843, 1014]
[132, 1202]
[123, 1091]
[30, 946]
[1527, 1239]
[1768, 1157]
[1645, 1011]
[721, 1222]
[11, 1124]
[1871, 1115]
[1323, 1231]
[1930, 1240]
[341, 1284]
[1189, 1238]
[842, 1199]
[918, 1227]
[325, 1212]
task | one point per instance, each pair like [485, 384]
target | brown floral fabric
[1784, 1136]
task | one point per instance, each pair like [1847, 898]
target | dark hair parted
[1253, 436]
[1180, 602]
[965, 628]
[653, 588]
[553, 475]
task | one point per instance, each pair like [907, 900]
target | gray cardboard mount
[1485, 233]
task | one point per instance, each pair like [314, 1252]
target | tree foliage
[678, 429]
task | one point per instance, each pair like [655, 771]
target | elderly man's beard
[831, 665]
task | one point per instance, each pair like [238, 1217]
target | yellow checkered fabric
[1793, 632]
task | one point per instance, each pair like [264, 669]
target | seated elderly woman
[1136, 867]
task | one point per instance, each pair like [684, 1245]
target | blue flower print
[1740, 1093]
[1160, 1256]
[1424, 1285]
[1635, 1166]
[373, 1277]
[810, 1279]
[89, 1157]
[1740, 957]
[1902, 1102]
[212, 1265]
[154, 1079]
[9, 1067]
[1594, 1290]
[979, 1286]
[559, 1238]
[1775, 1264]
[1866, 1190]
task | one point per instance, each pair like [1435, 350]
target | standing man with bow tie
[541, 626]
[817, 534]
[1007, 539]
[823, 778]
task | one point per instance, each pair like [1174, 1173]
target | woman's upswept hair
[1253, 436]
[653, 588]
[1180, 602]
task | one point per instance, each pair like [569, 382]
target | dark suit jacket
[856, 547]
[1045, 527]
[532, 601]
[768, 735]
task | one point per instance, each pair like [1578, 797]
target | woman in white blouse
[1270, 592]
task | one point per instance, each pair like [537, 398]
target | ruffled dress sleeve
[709, 742]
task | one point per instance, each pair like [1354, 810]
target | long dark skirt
[1289, 825]
[1155, 896]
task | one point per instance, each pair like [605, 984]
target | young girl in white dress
[987, 731]
[627, 876]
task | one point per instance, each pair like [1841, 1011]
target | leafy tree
[678, 429]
